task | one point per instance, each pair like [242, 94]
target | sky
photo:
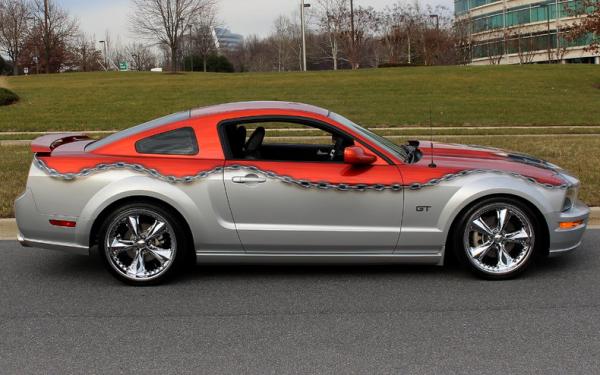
[244, 17]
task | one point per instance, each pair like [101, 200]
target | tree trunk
[204, 62]
[173, 59]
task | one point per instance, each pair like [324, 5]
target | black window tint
[175, 142]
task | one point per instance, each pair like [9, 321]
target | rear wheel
[142, 244]
[496, 238]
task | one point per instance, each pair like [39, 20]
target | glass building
[522, 31]
[226, 41]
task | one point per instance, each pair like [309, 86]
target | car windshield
[382, 141]
[176, 117]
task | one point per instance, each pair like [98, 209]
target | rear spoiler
[47, 143]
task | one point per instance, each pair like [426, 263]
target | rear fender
[135, 186]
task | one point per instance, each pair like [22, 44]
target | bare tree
[524, 44]
[332, 20]
[463, 43]
[366, 23]
[587, 24]
[85, 56]
[283, 40]
[141, 56]
[14, 15]
[164, 21]
[58, 30]
[116, 51]
[203, 38]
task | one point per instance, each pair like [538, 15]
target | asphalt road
[64, 314]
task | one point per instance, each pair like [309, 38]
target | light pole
[302, 21]
[103, 42]
[191, 46]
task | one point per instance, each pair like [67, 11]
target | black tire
[178, 243]
[503, 245]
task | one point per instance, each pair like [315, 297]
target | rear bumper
[59, 246]
[35, 229]
[566, 240]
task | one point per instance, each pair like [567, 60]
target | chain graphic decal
[307, 184]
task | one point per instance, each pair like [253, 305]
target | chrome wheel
[140, 244]
[499, 238]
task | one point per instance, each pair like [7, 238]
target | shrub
[7, 97]
[214, 64]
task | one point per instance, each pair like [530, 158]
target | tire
[143, 244]
[497, 238]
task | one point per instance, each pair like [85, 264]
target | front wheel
[496, 238]
[142, 244]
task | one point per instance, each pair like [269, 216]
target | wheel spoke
[133, 223]
[155, 230]
[162, 255]
[480, 251]
[504, 258]
[503, 215]
[519, 236]
[118, 245]
[482, 227]
[137, 267]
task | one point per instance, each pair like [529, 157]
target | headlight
[570, 198]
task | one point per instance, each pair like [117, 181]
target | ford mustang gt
[289, 182]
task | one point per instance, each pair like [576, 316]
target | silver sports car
[222, 184]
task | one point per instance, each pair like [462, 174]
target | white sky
[241, 16]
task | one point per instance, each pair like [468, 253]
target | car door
[301, 206]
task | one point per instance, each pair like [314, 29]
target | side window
[285, 141]
[175, 142]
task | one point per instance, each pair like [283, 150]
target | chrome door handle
[249, 179]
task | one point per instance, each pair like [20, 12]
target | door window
[273, 140]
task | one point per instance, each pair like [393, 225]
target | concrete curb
[8, 227]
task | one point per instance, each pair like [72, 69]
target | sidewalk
[8, 227]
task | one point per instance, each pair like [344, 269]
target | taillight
[63, 223]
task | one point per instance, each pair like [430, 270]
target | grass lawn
[497, 95]
[578, 154]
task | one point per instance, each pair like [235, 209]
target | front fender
[544, 199]
[430, 211]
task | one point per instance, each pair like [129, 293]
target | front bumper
[565, 240]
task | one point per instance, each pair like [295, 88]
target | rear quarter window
[175, 142]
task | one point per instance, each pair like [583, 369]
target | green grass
[498, 95]
[14, 166]
[505, 96]
[578, 154]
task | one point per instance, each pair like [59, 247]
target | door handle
[249, 179]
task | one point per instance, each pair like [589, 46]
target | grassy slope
[506, 95]
[516, 96]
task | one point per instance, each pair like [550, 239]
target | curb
[8, 227]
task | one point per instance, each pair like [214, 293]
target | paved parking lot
[64, 314]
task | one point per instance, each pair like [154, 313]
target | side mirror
[356, 155]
